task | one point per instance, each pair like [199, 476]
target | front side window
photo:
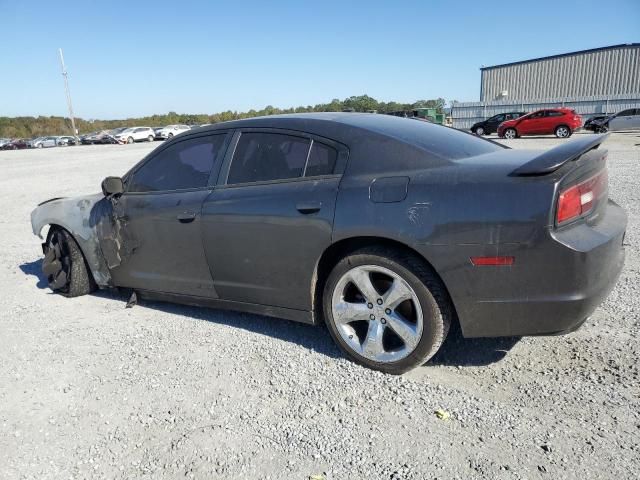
[498, 118]
[536, 115]
[265, 156]
[183, 165]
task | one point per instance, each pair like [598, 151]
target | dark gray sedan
[385, 229]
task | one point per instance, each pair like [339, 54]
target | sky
[128, 59]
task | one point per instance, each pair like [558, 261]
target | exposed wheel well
[342, 248]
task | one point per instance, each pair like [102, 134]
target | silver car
[625, 120]
[44, 142]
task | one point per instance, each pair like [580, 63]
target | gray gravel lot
[91, 390]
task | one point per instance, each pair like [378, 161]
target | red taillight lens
[580, 199]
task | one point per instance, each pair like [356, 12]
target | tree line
[27, 127]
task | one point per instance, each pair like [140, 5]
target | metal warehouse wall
[466, 114]
[606, 71]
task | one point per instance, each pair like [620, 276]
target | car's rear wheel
[562, 131]
[385, 309]
[130, 140]
[510, 133]
[150, 138]
[65, 267]
[479, 131]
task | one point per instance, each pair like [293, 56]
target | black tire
[479, 131]
[170, 135]
[562, 131]
[65, 259]
[436, 305]
[602, 129]
[150, 138]
[130, 140]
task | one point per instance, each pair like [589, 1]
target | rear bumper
[556, 282]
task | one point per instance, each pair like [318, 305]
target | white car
[136, 134]
[171, 130]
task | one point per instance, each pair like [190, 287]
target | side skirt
[267, 310]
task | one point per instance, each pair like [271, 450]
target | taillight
[578, 200]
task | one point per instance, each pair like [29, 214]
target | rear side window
[554, 113]
[262, 157]
[322, 160]
[183, 165]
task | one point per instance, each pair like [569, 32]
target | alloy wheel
[562, 132]
[479, 131]
[377, 313]
[510, 133]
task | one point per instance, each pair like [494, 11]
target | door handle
[307, 208]
[186, 217]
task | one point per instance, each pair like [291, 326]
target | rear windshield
[444, 142]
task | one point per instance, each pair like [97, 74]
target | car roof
[339, 126]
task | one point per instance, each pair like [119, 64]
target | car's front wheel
[479, 131]
[130, 140]
[386, 309]
[563, 131]
[602, 129]
[150, 138]
[65, 267]
[510, 133]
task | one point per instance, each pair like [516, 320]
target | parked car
[136, 134]
[356, 221]
[42, 142]
[593, 123]
[93, 138]
[4, 141]
[156, 131]
[171, 130]
[561, 122]
[628, 119]
[17, 144]
[66, 140]
[490, 125]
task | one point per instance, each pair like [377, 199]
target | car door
[160, 213]
[623, 120]
[493, 122]
[271, 216]
[531, 125]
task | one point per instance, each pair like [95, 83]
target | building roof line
[591, 50]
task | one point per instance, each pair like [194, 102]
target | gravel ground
[89, 389]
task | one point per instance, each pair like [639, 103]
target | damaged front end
[94, 223]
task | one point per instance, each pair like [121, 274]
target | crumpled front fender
[86, 218]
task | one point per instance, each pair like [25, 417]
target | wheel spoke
[397, 293]
[403, 329]
[362, 281]
[347, 312]
[372, 345]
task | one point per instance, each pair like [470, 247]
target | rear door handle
[186, 217]
[307, 208]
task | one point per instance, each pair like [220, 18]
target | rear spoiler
[553, 159]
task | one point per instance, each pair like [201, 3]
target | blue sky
[137, 58]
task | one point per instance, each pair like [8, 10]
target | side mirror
[112, 186]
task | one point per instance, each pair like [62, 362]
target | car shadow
[35, 269]
[456, 350]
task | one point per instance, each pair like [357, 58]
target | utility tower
[66, 89]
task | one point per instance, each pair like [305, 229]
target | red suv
[562, 122]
